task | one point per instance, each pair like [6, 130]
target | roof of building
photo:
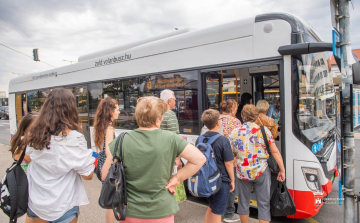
[356, 51]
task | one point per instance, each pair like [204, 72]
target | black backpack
[14, 191]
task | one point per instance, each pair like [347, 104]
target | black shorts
[218, 201]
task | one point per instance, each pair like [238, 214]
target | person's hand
[232, 186]
[281, 176]
[172, 184]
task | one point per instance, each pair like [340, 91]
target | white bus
[201, 67]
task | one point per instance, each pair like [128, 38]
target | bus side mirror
[304, 48]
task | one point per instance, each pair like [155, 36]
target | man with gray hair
[170, 121]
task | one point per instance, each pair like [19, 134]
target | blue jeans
[69, 216]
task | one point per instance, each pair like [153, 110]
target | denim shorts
[218, 201]
[66, 218]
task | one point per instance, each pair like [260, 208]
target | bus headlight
[312, 179]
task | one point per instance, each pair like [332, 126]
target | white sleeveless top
[55, 184]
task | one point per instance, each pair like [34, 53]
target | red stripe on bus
[305, 202]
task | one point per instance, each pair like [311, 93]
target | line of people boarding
[57, 159]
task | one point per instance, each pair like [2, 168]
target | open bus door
[20, 107]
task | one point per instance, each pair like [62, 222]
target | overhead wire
[23, 54]
[44, 51]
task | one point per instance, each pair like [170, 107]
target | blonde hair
[262, 106]
[228, 106]
[148, 109]
[210, 118]
[249, 113]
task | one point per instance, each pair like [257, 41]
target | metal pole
[349, 153]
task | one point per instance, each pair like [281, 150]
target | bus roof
[182, 49]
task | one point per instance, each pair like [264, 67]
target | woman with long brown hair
[104, 133]
[18, 144]
[59, 159]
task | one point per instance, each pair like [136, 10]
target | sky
[67, 29]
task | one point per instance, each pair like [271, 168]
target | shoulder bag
[113, 192]
[14, 191]
[274, 167]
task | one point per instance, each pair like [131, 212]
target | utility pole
[347, 81]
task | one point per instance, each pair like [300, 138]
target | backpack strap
[265, 139]
[201, 139]
[21, 157]
[118, 139]
[10, 177]
[212, 139]
[120, 192]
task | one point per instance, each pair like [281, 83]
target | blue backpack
[207, 181]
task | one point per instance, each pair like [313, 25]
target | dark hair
[103, 119]
[245, 98]
[228, 105]
[57, 115]
[210, 118]
[17, 145]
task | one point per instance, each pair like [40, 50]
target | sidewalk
[190, 212]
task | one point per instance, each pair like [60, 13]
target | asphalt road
[4, 132]
[330, 213]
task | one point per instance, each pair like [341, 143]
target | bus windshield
[317, 99]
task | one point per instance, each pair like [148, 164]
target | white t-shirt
[55, 184]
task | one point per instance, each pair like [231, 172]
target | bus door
[20, 107]
[266, 87]
[212, 90]
[223, 84]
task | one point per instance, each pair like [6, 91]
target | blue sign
[321, 144]
[314, 148]
[339, 146]
[336, 49]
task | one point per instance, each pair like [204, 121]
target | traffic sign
[337, 52]
[336, 49]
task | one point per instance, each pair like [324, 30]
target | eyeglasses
[173, 99]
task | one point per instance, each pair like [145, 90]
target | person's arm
[278, 158]
[27, 158]
[109, 138]
[195, 161]
[84, 164]
[88, 177]
[230, 170]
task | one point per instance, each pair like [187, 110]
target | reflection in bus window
[316, 113]
[125, 92]
[184, 85]
[213, 82]
[35, 99]
[95, 95]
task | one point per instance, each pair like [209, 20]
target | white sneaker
[234, 218]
